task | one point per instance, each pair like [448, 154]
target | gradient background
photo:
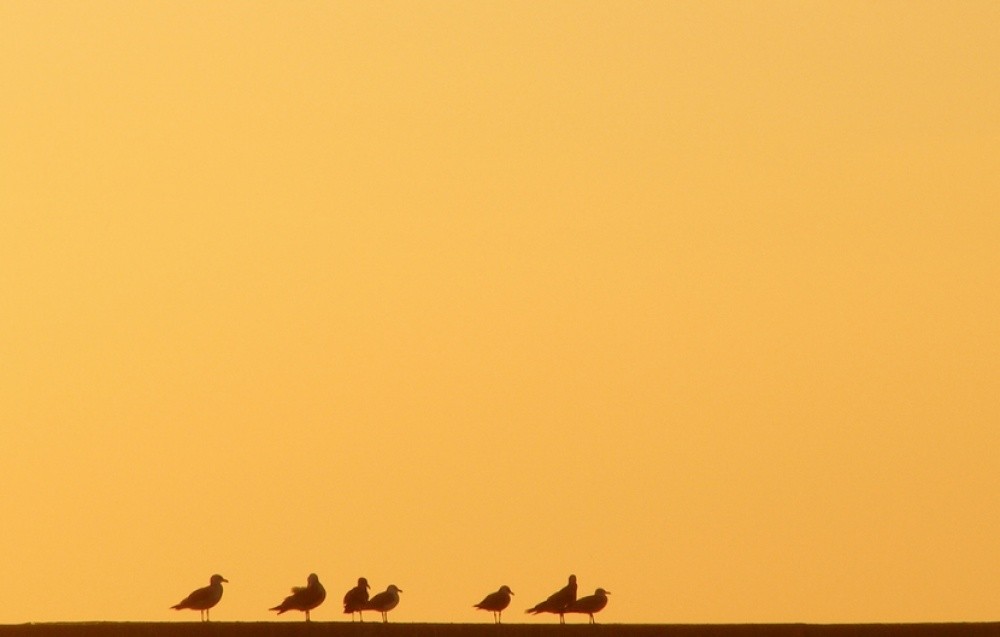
[696, 300]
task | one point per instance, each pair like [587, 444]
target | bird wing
[376, 601]
[487, 602]
[548, 606]
[563, 596]
[494, 601]
[588, 604]
[199, 598]
[383, 601]
[291, 602]
[355, 599]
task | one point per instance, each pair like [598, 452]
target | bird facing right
[385, 601]
[496, 602]
[203, 599]
[590, 604]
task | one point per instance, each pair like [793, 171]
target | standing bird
[558, 601]
[590, 604]
[496, 602]
[385, 601]
[356, 598]
[205, 598]
[304, 598]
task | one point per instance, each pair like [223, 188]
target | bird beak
[225, 580]
[607, 592]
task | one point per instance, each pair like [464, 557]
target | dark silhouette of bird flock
[306, 598]
[565, 601]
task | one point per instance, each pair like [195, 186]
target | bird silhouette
[590, 604]
[304, 598]
[558, 601]
[385, 601]
[356, 598]
[203, 599]
[496, 602]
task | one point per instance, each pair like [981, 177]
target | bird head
[506, 589]
[216, 579]
[363, 582]
[394, 589]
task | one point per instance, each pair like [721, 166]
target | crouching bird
[304, 598]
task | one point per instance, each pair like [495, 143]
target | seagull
[590, 604]
[385, 601]
[356, 598]
[496, 602]
[304, 598]
[558, 601]
[205, 598]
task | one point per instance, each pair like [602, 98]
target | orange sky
[695, 300]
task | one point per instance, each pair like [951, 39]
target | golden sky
[696, 300]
